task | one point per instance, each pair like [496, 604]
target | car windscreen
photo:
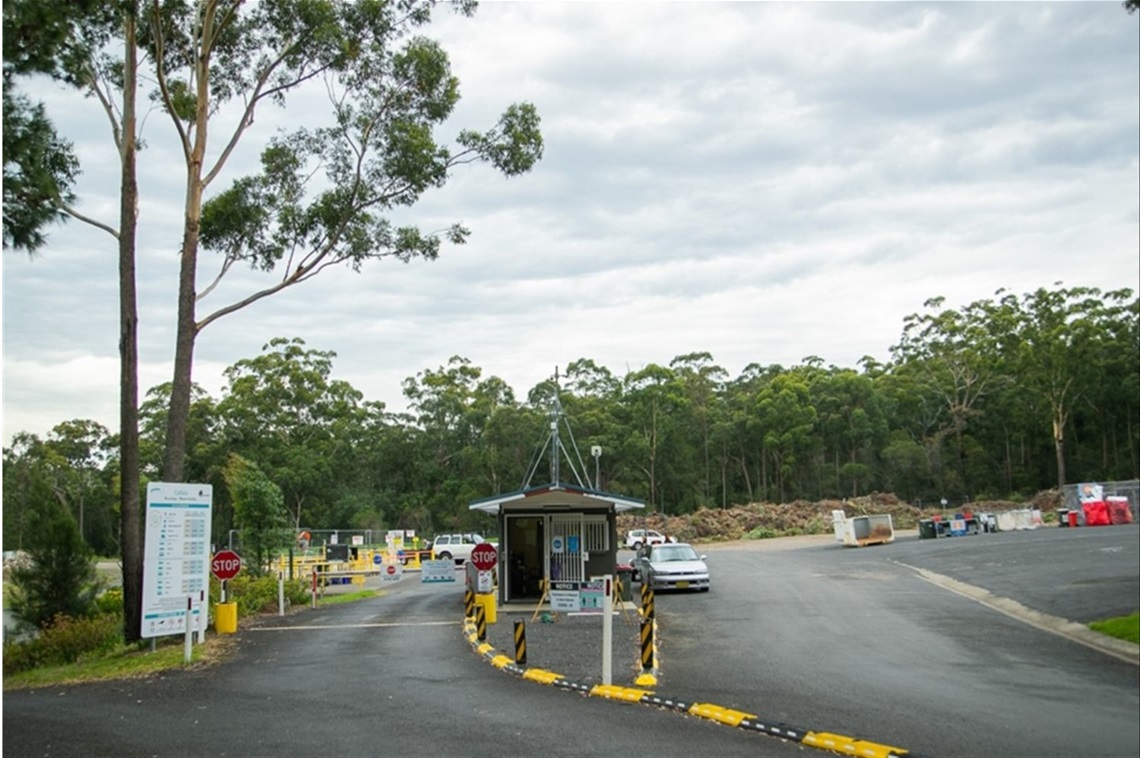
[667, 553]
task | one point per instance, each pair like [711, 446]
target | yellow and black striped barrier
[520, 642]
[469, 603]
[647, 662]
[837, 743]
[481, 623]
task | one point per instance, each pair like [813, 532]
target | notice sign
[593, 596]
[176, 558]
[437, 571]
[564, 597]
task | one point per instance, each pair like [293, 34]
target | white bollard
[280, 593]
[203, 616]
[189, 641]
[608, 631]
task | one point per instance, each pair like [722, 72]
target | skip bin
[625, 575]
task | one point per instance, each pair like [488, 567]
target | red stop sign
[226, 565]
[484, 556]
[391, 569]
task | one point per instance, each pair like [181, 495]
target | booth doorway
[526, 537]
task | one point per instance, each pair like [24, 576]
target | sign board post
[176, 557]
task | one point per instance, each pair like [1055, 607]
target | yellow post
[225, 618]
[490, 605]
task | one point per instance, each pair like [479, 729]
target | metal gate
[567, 564]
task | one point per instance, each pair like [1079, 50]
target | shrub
[65, 640]
[110, 602]
[58, 576]
[256, 594]
[760, 533]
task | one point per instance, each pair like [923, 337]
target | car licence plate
[682, 585]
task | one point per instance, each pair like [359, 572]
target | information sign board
[176, 558]
[437, 571]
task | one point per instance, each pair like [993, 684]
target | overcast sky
[764, 182]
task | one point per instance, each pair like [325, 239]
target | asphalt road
[391, 676]
[826, 638]
[855, 641]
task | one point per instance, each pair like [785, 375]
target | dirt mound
[760, 520]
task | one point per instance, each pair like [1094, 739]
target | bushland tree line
[998, 399]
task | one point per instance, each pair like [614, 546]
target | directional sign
[484, 556]
[226, 565]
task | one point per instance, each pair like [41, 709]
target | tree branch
[88, 220]
[163, 86]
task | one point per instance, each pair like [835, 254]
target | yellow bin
[490, 606]
[225, 618]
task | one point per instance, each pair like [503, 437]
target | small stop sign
[226, 565]
[484, 556]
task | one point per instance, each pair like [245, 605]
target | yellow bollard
[225, 618]
[490, 607]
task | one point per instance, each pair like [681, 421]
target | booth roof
[554, 495]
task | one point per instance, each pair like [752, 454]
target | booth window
[597, 534]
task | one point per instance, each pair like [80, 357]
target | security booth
[560, 532]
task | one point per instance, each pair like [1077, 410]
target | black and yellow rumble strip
[837, 743]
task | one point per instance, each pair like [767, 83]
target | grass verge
[128, 662]
[1121, 627]
[348, 597]
[131, 662]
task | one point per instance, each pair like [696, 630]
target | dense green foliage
[986, 401]
[259, 511]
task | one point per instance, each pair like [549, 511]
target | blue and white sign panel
[176, 557]
[437, 571]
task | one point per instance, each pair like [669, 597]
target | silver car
[673, 566]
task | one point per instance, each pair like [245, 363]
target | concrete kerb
[729, 717]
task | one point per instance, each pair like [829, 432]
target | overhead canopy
[555, 496]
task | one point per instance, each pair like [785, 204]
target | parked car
[637, 538]
[455, 546]
[672, 566]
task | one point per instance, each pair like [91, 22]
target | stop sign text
[484, 556]
[226, 565]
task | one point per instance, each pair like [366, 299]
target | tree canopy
[950, 416]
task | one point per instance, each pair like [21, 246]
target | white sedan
[673, 566]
